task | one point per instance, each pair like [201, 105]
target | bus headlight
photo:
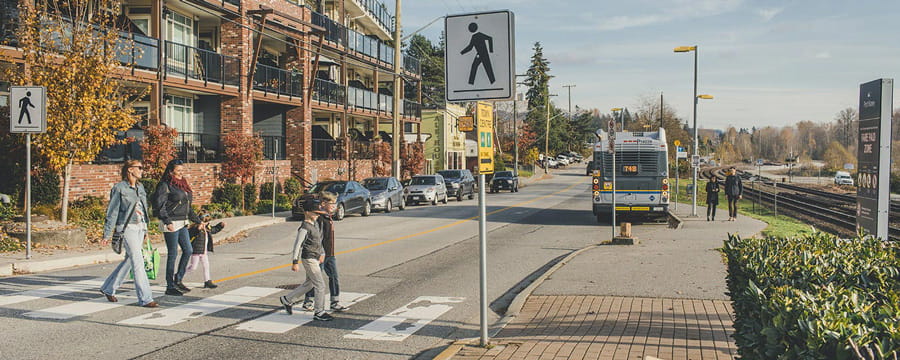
[665, 181]
[597, 193]
[596, 180]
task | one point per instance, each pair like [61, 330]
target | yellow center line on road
[404, 237]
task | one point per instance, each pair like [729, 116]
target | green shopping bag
[151, 261]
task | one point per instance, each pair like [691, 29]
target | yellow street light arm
[685, 48]
[705, 96]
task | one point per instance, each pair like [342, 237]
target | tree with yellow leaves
[73, 48]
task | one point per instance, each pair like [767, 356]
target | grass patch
[780, 226]
[525, 173]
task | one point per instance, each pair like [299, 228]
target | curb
[514, 307]
[26, 267]
[675, 222]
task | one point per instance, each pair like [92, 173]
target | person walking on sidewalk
[329, 203]
[712, 198]
[308, 247]
[173, 199]
[202, 243]
[127, 212]
[734, 191]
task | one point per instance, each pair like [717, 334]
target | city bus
[642, 175]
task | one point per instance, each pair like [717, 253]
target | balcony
[196, 147]
[362, 150]
[334, 31]
[325, 149]
[411, 64]
[362, 98]
[386, 53]
[385, 103]
[327, 91]
[198, 64]
[272, 143]
[411, 109]
[278, 81]
[378, 11]
[137, 49]
[358, 42]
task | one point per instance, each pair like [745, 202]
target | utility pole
[547, 140]
[398, 90]
[570, 101]
[661, 112]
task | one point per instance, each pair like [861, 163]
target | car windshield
[425, 180]
[503, 174]
[453, 174]
[376, 184]
[334, 187]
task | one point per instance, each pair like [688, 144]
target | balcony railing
[122, 152]
[334, 31]
[366, 45]
[269, 147]
[196, 147]
[325, 149]
[379, 11]
[327, 91]
[411, 64]
[279, 81]
[362, 98]
[195, 63]
[362, 150]
[412, 109]
[386, 53]
[385, 103]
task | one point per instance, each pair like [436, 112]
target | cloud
[769, 13]
[670, 10]
[622, 22]
[823, 55]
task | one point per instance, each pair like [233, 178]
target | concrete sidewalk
[48, 260]
[663, 298]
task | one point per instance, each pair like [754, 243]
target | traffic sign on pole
[480, 56]
[28, 109]
[485, 115]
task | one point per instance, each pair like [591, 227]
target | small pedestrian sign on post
[28, 109]
[480, 56]
[485, 116]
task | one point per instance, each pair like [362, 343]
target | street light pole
[696, 145]
[547, 138]
[570, 101]
[398, 89]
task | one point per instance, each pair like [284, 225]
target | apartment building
[314, 78]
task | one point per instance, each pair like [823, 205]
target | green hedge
[815, 296]
[265, 190]
[228, 194]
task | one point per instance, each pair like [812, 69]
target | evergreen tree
[431, 58]
[538, 82]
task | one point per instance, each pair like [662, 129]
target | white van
[842, 178]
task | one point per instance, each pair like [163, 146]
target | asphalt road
[413, 272]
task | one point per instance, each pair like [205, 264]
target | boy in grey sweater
[308, 250]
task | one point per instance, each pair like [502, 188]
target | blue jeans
[334, 287]
[174, 239]
[134, 259]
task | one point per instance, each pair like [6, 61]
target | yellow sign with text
[484, 114]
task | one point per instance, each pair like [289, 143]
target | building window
[4, 93]
[180, 113]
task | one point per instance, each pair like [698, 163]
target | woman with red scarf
[173, 202]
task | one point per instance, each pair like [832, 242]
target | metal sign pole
[676, 177]
[482, 235]
[27, 196]
[274, 174]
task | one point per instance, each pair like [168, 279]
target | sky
[767, 63]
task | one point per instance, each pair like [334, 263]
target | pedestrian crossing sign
[28, 109]
[485, 116]
[480, 56]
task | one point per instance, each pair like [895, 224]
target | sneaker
[151, 304]
[308, 306]
[323, 316]
[174, 292]
[337, 307]
[288, 307]
[210, 285]
[181, 287]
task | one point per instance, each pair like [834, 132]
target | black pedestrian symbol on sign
[483, 45]
[24, 103]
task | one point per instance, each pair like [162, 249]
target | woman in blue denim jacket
[127, 211]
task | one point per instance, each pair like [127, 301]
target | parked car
[459, 183]
[589, 168]
[386, 193]
[505, 180]
[563, 160]
[843, 178]
[352, 198]
[427, 188]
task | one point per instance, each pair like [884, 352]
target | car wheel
[445, 198]
[459, 195]
[368, 209]
[516, 188]
[387, 206]
[339, 214]
[402, 203]
[435, 201]
[472, 194]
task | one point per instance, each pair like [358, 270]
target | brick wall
[96, 180]
[337, 169]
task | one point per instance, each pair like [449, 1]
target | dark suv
[505, 180]
[459, 183]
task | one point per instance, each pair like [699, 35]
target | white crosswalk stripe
[202, 307]
[405, 321]
[280, 322]
[50, 291]
[82, 308]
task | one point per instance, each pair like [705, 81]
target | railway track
[843, 217]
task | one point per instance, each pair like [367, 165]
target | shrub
[814, 297]
[228, 194]
[265, 190]
[265, 207]
[45, 187]
[293, 188]
[88, 209]
[214, 208]
[7, 211]
[9, 243]
[249, 195]
[283, 201]
[50, 211]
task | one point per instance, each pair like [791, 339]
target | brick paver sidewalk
[612, 327]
